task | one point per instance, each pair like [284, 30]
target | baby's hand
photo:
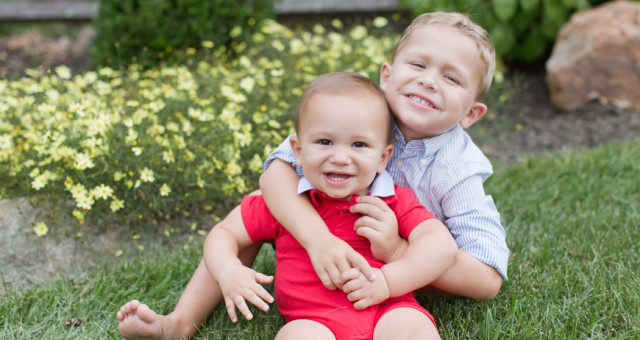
[380, 225]
[331, 256]
[240, 284]
[362, 292]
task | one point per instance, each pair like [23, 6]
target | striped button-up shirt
[446, 173]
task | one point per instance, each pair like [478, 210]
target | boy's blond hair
[461, 23]
[343, 83]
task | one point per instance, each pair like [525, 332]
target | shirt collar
[382, 185]
[427, 146]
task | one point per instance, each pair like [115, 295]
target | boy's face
[433, 82]
[342, 142]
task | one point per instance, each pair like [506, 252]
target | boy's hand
[332, 256]
[240, 284]
[378, 224]
[362, 292]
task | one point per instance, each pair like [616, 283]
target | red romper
[299, 293]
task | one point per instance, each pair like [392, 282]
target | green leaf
[569, 4]
[525, 20]
[529, 5]
[503, 38]
[582, 5]
[504, 9]
[534, 46]
[553, 17]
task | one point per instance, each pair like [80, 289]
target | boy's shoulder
[461, 157]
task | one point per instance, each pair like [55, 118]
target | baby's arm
[329, 255]
[430, 252]
[237, 282]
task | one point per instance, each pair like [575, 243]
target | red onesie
[299, 293]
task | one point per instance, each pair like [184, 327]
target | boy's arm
[329, 255]
[429, 253]
[237, 282]
[481, 262]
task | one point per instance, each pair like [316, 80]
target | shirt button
[423, 162]
[399, 163]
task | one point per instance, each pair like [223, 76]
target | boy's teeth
[420, 100]
[337, 177]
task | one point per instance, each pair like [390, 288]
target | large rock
[597, 56]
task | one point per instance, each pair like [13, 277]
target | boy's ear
[386, 156]
[294, 141]
[385, 72]
[476, 112]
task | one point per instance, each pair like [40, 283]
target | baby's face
[433, 81]
[342, 142]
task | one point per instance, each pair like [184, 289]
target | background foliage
[521, 30]
[146, 32]
[172, 141]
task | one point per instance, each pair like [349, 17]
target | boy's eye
[452, 78]
[417, 64]
[360, 144]
[324, 142]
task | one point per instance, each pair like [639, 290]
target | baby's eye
[360, 144]
[324, 142]
[417, 64]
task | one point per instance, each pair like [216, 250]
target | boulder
[597, 56]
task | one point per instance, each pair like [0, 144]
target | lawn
[572, 225]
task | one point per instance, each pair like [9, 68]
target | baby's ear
[294, 141]
[476, 112]
[386, 156]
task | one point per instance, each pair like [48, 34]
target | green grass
[572, 224]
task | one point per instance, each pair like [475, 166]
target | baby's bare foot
[136, 321]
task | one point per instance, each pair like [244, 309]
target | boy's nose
[427, 81]
[340, 156]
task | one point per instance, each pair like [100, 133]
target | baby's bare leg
[304, 329]
[405, 323]
[199, 299]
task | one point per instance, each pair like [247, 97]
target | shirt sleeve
[257, 219]
[285, 153]
[409, 212]
[473, 219]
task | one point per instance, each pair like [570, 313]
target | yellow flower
[63, 72]
[117, 176]
[380, 22]
[78, 215]
[84, 202]
[235, 32]
[102, 191]
[247, 84]
[83, 161]
[78, 190]
[116, 205]
[358, 32]
[39, 182]
[207, 44]
[165, 190]
[146, 175]
[40, 229]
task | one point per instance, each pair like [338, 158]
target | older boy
[340, 162]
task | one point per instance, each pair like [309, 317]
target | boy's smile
[342, 142]
[433, 82]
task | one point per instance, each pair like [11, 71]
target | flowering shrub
[147, 144]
